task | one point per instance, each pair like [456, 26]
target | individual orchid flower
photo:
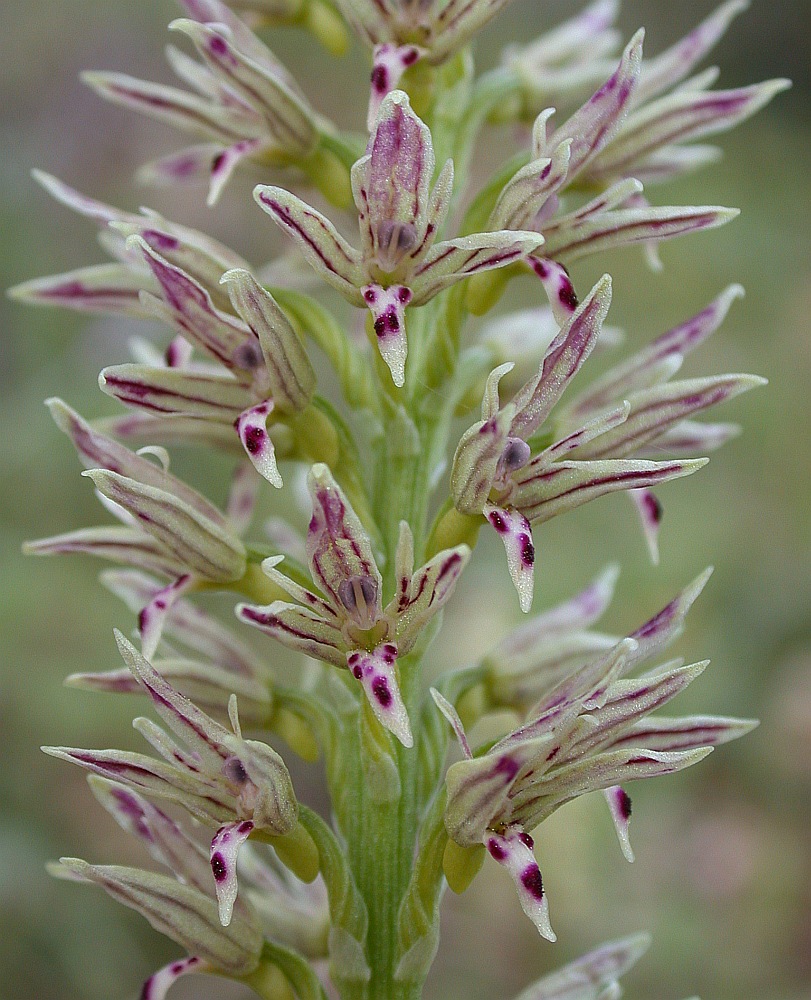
[167, 527]
[346, 624]
[247, 106]
[618, 216]
[267, 372]
[589, 731]
[495, 472]
[238, 786]
[400, 263]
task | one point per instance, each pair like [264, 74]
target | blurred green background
[723, 870]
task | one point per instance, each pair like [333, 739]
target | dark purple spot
[496, 850]
[392, 322]
[380, 689]
[380, 326]
[404, 294]
[526, 840]
[245, 827]
[248, 355]
[218, 46]
[653, 508]
[217, 162]
[527, 550]
[357, 671]
[624, 804]
[410, 57]
[176, 968]
[370, 295]
[219, 867]
[380, 79]
[567, 295]
[541, 269]
[254, 438]
[389, 653]
[498, 522]
[531, 880]
[546, 170]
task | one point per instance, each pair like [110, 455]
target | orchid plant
[255, 885]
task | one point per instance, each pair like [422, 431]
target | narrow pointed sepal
[253, 433]
[224, 852]
[179, 911]
[515, 532]
[158, 984]
[101, 288]
[377, 673]
[513, 850]
[324, 248]
[619, 805]
[225, 162]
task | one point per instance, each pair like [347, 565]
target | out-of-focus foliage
[723, 870]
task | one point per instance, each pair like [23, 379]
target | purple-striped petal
[297, 628]
[644, 368]
[673, 65]
[290, 374]
[224, 852]
[515, 532]
[187, 306]
[688, 732]
[119, 544]
[680, 117]
[339, 551]
[377, 673]
[451, 260]
[176, 390]
[513, 850]
[175, 107]
[252, 430]
[476, 461]
[593, 125]
[563, 359]
[542, 493]
[102, 288]
[571, 238]
[525, 199]
[325, 250]
[427, 592]
[202, 544]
